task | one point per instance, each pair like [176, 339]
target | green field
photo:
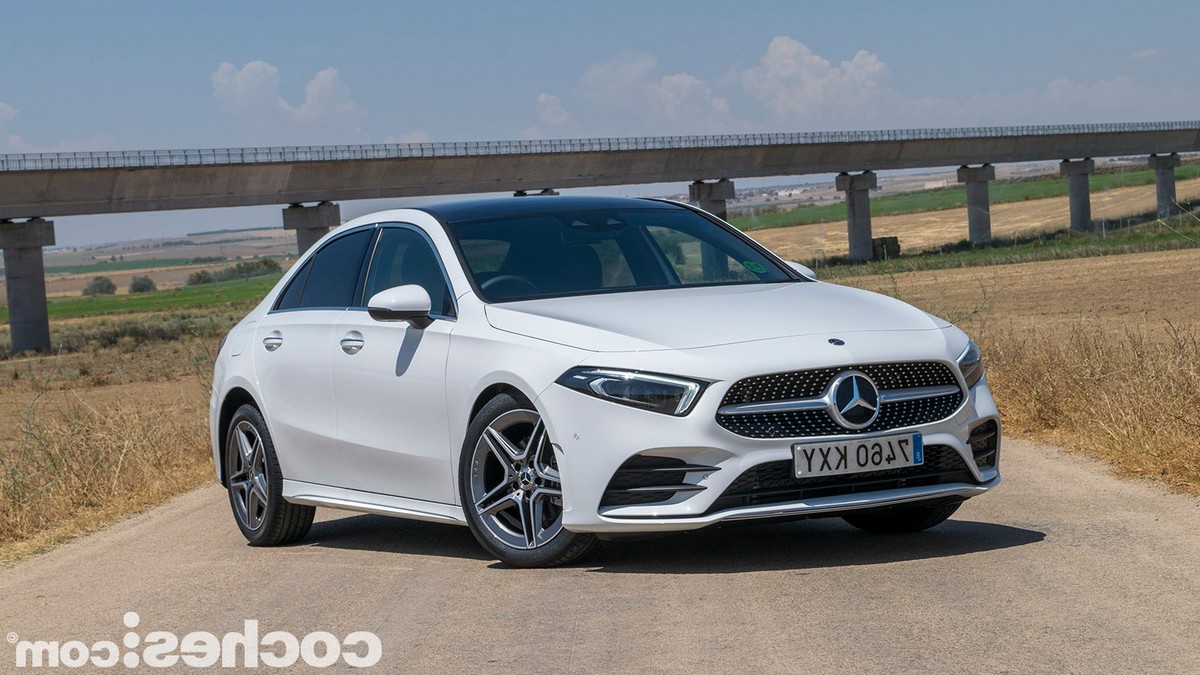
[206, 295]
[954, 197]
[117, 266]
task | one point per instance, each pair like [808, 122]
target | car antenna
[545, 192]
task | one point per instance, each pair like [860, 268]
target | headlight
[648, 391]
[970, 364]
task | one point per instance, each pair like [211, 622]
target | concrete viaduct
[34, 187]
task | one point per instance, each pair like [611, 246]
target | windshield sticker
[754, 267]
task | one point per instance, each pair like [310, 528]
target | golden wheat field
[1097, 355]
[930, 228]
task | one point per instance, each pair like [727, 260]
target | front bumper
[593, 438]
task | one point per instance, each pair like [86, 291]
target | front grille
[812, 383]
[776, 483]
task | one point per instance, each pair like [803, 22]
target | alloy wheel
[248, 475]
[515, 485]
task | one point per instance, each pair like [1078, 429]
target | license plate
[877, 453]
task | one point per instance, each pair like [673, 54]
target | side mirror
[802, 269]
[401, 303]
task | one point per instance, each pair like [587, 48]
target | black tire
[902, 520]
[264, 522]
[564, 547]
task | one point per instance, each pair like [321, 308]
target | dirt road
[1063, 568]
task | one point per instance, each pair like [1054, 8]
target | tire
[902, 520]
[256, 495]
[510, 488]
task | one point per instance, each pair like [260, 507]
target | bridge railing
[333, 153]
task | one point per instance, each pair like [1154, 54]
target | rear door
[293, 352]
[390, 378]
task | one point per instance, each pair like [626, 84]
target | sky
[140, 74]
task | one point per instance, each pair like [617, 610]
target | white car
[552, 370]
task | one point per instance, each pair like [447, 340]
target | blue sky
[118, 75]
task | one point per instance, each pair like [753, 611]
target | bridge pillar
[858, 212]
[311, 222]
[1164, 182]
[1078, 191]
[979, 214]
[25, 280]
[712, 197]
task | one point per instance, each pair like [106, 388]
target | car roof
[459, 211]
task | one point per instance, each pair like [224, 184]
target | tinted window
[576, 252]
[290, 298]
[696, 261]
[334, 277]
[404, 257]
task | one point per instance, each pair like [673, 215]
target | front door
[389, 379]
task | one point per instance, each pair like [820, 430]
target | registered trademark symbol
[12, 638]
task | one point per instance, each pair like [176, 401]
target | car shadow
[796, 545]
[367, 532]
[808, 544]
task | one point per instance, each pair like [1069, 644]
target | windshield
[600, 250]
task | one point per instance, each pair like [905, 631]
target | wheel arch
[234, 399]
[492, 391]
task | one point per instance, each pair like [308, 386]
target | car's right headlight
[649, 391]
[970, 364]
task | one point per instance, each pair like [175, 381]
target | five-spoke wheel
[256, 486]
[247, 475]
[511, 490]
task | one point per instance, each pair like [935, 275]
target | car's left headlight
[970, 364]
[648, 391]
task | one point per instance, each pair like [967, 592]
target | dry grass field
[921, 230]
[90, 436]
[1097, 355]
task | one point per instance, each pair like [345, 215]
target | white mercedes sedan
[550, 371]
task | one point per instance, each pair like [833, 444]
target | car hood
[689, 318]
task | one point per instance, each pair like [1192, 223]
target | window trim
[364, 271]
[306, 261]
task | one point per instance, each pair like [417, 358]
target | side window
[404, 257]
[334, 277]
[290, 298]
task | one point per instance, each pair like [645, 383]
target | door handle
[353, 342]
[273, 341]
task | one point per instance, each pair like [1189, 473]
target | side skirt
[312, 494]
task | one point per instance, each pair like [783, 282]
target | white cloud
[18, 144]
[791, 87]
[414, 136]
[678, 103]
[326, 97]
[550, 110]
[1145, 54]
[328, 113]
[251, 90]
[795, 84]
